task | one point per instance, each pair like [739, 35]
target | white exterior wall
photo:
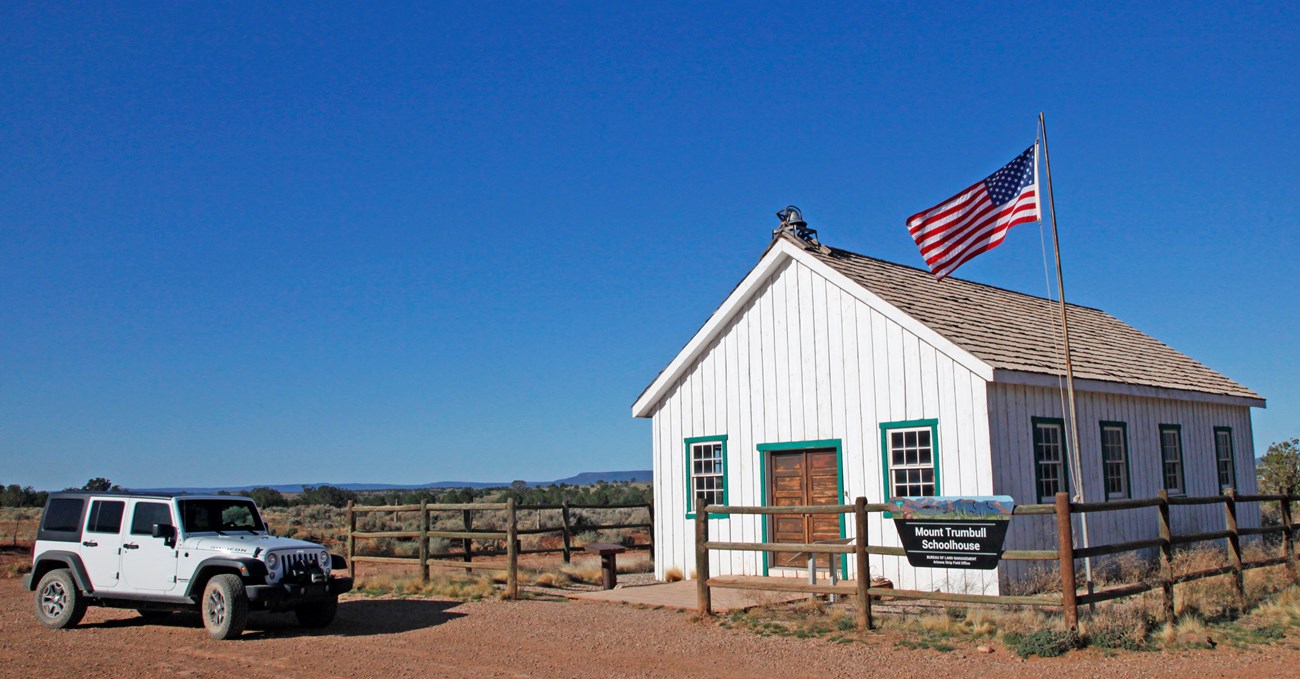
[805, 360]
[1011, 429]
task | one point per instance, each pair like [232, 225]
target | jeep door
[102, 541]
[148, 563]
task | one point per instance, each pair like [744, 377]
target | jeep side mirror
[164, 530]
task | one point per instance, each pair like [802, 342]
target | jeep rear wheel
[225, 606]
[58, 603]
[318, 614]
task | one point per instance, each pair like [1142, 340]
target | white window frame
[1166, 461]
[894, 438]
[702, 471]
[1061, 463]
[1224, 434]
[1108, 465]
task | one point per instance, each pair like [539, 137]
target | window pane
[146, 515]
[106, 516]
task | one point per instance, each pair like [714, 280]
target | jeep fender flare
[251, 571]
[55, 559]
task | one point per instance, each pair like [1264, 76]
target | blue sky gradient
[407, 243]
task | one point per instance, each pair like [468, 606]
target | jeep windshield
[220, 516]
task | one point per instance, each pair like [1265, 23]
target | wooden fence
[1065, 554]
[508, 536]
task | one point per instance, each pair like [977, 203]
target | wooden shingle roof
[1019, 332]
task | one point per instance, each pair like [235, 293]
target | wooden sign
[953, 532]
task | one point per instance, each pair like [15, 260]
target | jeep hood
[247, 545]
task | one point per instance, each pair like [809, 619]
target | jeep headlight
[272, 562]
[324, 558]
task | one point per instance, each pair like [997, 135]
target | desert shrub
[1119, 626]
[1044, 643]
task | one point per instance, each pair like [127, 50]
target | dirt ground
[532, 638]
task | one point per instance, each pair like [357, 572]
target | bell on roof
[792, 223]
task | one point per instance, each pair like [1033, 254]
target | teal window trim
[885, 428]
[690, 488]
[764, 449]
[1128, 478]
[1033, 456]
[1232, 459]
[1177, 430]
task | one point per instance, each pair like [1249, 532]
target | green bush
[1045, 643]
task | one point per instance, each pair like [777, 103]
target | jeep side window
[106, 516]
[63, 515]
[147, 514]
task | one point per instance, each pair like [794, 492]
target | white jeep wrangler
[163, 553]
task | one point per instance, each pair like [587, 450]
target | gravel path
[422, 638]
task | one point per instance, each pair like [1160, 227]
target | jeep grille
[298, 567]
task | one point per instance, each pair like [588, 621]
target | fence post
[424, 542]
[568, 535]
[650, 537]
[352, 542]
[1288, 544]
[1065, 547]
[467, 544]
[864, 569]
[1234, 543]
[512, 551]
[704, 603]
[1166, 556]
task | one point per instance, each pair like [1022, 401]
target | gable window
[706, 472]
[1223, 456]
[1049, 458]
[1171, 453]
[911, 453]
[1114, 458]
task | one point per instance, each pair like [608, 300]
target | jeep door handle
[130, 545]
[88, 543]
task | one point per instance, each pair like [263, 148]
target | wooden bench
[608, 568]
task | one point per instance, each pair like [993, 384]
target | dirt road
[421, 638]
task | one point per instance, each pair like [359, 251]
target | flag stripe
[973, 233]
[973, 227]
[976, 220]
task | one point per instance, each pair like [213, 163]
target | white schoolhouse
[827, 375]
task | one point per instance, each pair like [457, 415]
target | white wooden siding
[804, 360]
[1011, 431]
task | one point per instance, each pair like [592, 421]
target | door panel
[101, 543]
[803, 477]
[148, 563]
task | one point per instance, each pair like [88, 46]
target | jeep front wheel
[225, 606]
[318, 614]
[58, 603]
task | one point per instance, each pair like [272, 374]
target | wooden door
[803, 477]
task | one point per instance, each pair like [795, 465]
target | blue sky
[242, 244]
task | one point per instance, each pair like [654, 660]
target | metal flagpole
[1069, 366]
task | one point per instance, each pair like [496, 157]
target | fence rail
[1065, 554]
[567, 529]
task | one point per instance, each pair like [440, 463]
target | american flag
[977, 219]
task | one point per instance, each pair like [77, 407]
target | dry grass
[673, 574]
[466, 588]
[1209, 610]
[18, 525]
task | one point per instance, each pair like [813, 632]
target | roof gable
[781, 250]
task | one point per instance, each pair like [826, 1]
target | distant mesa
[583, 479]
